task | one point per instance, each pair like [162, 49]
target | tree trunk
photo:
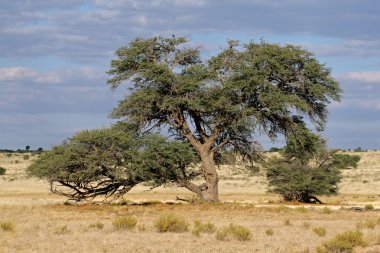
[209, 193]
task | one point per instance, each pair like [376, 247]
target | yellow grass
[42, 223]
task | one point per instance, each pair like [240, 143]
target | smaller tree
[306, 170]
[110, 162]
[2, 171]
[27, 148]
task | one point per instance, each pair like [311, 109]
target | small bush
[371, 224]
[235, 231]
[9, 155]
[62, 230]
[142, 227]
[200, 227]
[321, 231]
[326, 210]
[306, 225]
[287, 223]
[369, 207]
[125, 223]
[344, 242]
[7, 226]
[97, 225]
[26, 157]
[269, 231]
[2, 171]
[171, 223]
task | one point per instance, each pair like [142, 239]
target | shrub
[26, 157]
[2, 171]
[287, 223]
[344, 242]
[9, 155]
[306, 225]
[7, 226]
[62, 230]
[269, 231]
[235, 231]
[371, 224]
[142, 227]
[171, 223]
[200, 227]
[326, 210]
[125, 223]
[97, 225]
[369, 207]
[321, 231]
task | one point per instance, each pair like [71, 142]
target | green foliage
[369, 207]
[307, 169]
[125, 223]
[111, 161]
[2, 171]
[234, 231]
[297, 181]
[171, 223]
[200, 227]
[344, 161]
[343, 243]
[7, 226]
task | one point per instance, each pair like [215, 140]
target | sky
[54, 56]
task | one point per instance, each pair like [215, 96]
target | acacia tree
[111, 161]
[305, 171]
[222, 102]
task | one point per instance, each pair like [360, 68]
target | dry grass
[41, 223]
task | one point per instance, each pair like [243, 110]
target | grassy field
[33, 220]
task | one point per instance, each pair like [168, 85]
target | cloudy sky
[54, 55]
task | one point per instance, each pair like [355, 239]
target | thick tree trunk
[210, 192]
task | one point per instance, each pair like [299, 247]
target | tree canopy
[307, 170]
[111, 161]
[225, 101]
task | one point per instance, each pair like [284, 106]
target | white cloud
[48, 77]
[363, 76]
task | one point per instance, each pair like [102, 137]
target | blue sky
[54, 55]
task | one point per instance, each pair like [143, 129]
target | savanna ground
[33, 220]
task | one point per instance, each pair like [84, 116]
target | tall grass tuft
[7, 226]
[235, 231]
[125, 223]
[171, 223]
[200, 227]
[344, 242]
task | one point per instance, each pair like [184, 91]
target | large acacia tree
[222, 102]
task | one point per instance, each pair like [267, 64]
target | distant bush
[269, 231]
[125, 223]
[97, 225]
[343, 243]
[7, 226]
[2, 171]
[9, 155]
[370, 224]
[275, 149]
[321, 231]
[26, 157]
[200, 227]
[171, 223]
[235, 231]
[369, 207]
[62, 230]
